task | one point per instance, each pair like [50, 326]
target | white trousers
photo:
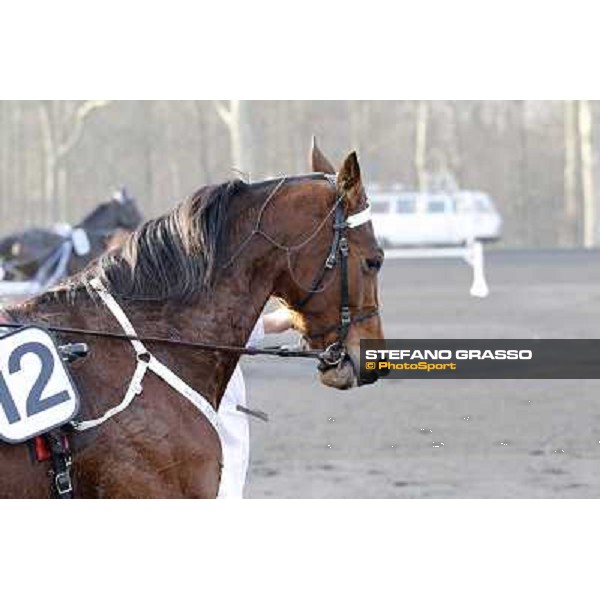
[235, 437]
[235, 429]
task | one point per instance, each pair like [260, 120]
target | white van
[434, 219]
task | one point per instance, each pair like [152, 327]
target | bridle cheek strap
[339, 246]
[352, 221]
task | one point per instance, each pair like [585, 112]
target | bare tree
[174, 175]
[60, 135]
[536, 159]
[420, 156]
[584, 118]
[4, 109]
[203, 140]
[523, 209]
[236, 117]
[17, 167]
[359, 116]
[568, 234]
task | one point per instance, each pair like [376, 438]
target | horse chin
[341, 377]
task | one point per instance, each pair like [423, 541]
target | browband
[359, 218]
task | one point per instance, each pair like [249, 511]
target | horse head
[126, 211]
[120, 212]
[332, 282]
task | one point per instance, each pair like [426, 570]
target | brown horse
[202, 273]
[23, 254]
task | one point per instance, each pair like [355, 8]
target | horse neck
[226, 316]
[102, 217]
[222, 315]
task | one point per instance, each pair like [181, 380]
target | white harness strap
[81, 241]
[145, 361]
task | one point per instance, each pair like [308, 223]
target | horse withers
[202, 273]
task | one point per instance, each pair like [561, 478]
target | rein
[282, 351]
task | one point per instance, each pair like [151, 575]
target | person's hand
[278, 321]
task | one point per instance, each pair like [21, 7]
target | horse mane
[174, 256]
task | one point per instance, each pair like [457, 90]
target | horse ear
[348, 178]
[319, 162]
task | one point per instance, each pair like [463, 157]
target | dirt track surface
[501, 438]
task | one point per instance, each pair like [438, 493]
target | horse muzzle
[340, 376]
[340, 368]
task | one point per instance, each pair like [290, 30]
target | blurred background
[446, 180]
[537, 160]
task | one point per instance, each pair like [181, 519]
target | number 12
[35, 402]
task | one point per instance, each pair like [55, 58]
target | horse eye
[374, 263]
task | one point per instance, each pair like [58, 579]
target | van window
[483, 204]
[380, 207]
[436, 206]
[469, 203]
[406, 206]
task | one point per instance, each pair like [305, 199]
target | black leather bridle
[339, 250]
